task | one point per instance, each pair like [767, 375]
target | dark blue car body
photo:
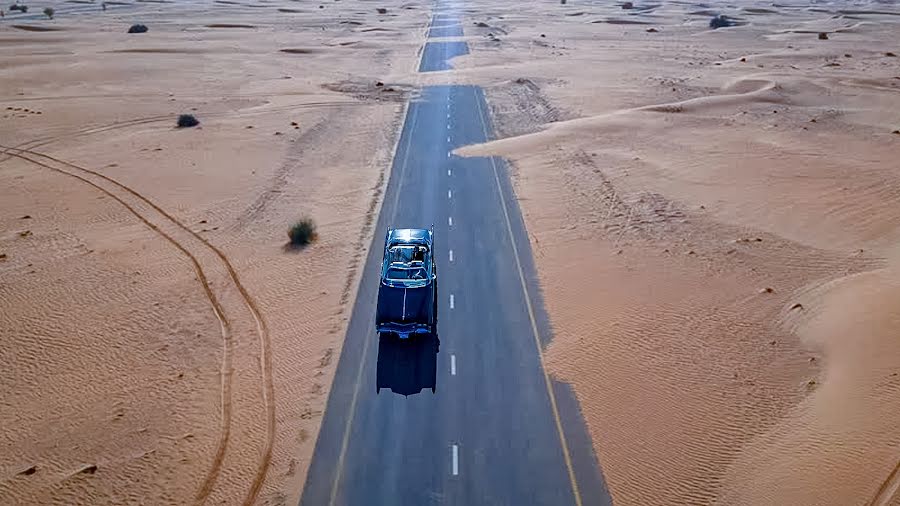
[407, 293]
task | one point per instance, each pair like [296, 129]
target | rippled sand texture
[158, 342]
[714, 215]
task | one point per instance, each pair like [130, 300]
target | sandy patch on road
[714, 218]
[124, 380]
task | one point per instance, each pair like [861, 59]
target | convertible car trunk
[404, 305]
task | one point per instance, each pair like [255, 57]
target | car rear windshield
[406, 273]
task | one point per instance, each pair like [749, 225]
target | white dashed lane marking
[451, 255]
[450, 221]
[452, 301]
[453, 365]
[449, 194]
[455, 460]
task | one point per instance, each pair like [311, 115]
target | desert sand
[715, 220]
[158, 342]
[713, 213]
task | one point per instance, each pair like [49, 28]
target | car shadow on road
[407, 366]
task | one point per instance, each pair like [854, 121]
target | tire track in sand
[225, 370]
[117, 125]
[250, 303]
[35, 143]
[888, 489]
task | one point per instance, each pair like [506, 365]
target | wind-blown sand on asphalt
[158, 344]
[714, 218]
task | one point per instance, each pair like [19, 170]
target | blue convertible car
[407, 294]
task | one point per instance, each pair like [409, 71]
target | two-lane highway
[497, 430]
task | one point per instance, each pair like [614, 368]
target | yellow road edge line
[349, 424]
[537, 340]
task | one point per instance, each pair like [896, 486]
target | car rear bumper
[403, 330]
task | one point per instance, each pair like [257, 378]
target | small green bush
[187, 120]
[137, 28]
[720, 21]
[302, 233]
[49, 12]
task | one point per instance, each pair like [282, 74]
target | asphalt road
[497, 430]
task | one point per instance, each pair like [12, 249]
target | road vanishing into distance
[497, 430]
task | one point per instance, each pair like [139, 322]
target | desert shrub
[187, 120]
[719, 21]
[49, 12]
[381, 10]
[302, 233]
[138, 29]
[18, 7]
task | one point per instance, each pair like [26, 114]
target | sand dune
[229, 25]
[37, 28]
[23, 40]
[759, 10]
[746, 91]
[299, 50]
[158, 50]
[845, 426]
[622, 22]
